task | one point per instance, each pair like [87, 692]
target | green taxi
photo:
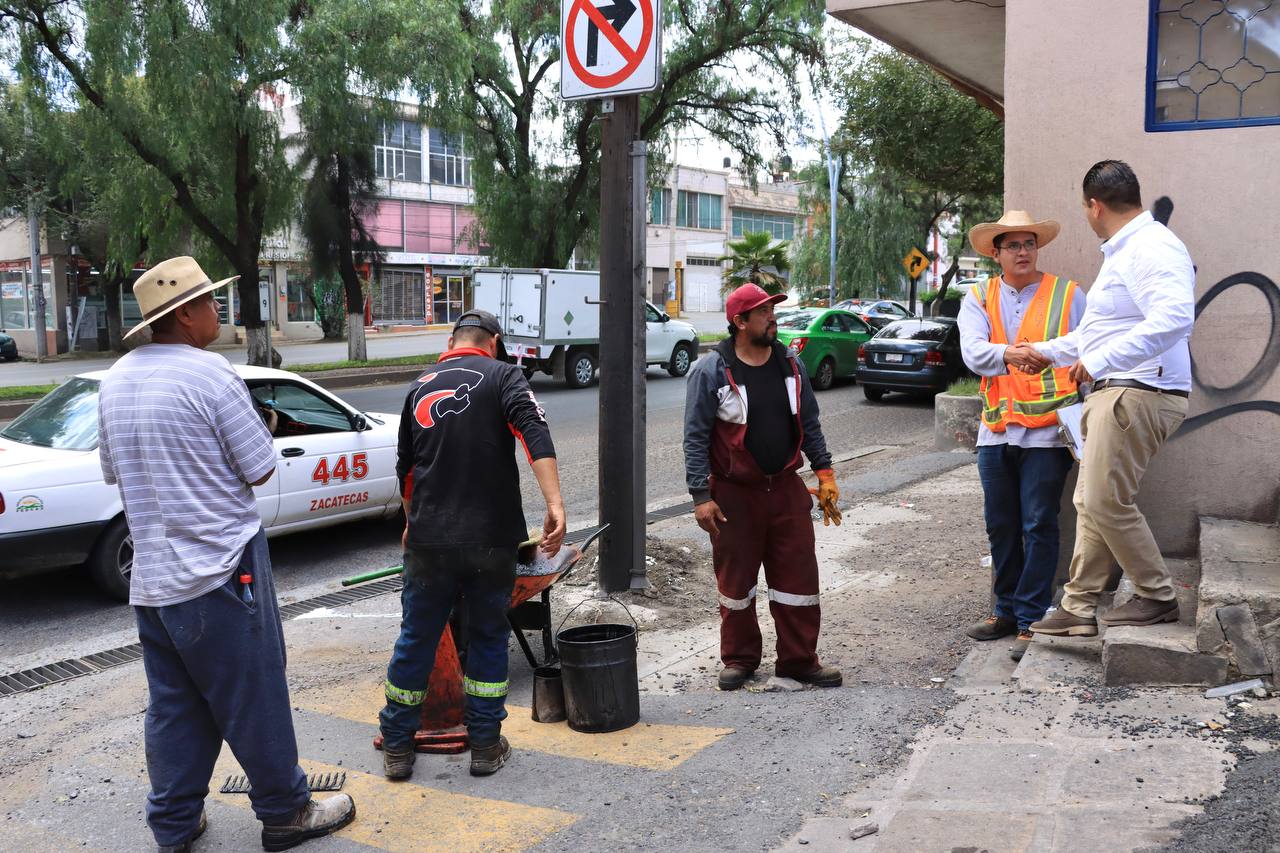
[826, 339]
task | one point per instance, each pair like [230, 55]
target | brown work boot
[1142, 611]
[1064, 624]
[1020, 643]
[823, 676]
[992, 628]
[487, 760]
[733, 677]
[316, 818]
[398, 763]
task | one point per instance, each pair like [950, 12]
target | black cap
[476, 318]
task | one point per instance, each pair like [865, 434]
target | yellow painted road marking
[651, 746]
[402, 817]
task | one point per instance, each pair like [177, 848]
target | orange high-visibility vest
[1022, 398]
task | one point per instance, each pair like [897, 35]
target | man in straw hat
[1132, 345]
[1022, 462]
[180, 436]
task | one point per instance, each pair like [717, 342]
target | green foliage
[755, 257]
[967, 387]
[24, 392]
[537, 189]
[328, 297]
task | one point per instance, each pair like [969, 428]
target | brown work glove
[828, 495]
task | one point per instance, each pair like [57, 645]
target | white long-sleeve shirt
[987, 359]
[1141, 309]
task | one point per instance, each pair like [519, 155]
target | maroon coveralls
[769, 522]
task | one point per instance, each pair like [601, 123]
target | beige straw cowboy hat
[169, 284]
[983, 235]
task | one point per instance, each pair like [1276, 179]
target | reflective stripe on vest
[485, 689]
[1016, 397]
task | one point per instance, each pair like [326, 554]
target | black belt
[1141, 386]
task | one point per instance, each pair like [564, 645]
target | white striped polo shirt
[181, 437]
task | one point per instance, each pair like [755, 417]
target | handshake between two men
[1025, 357]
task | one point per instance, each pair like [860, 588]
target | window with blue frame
[780, 225]
[1213, 63]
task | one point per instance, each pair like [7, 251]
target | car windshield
[796, 319]
[915, 330]
[65, 419]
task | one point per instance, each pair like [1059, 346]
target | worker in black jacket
[463, 520]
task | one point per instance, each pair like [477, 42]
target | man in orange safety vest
[1022, 462]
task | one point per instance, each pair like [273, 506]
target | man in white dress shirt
[1132, 345]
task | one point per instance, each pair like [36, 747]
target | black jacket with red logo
[456, 457]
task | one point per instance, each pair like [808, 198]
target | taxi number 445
[356, 469]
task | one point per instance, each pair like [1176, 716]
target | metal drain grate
[345, 596]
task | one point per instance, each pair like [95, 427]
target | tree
[537, 190]
[200, 130]
[758, 259]
[913, 148]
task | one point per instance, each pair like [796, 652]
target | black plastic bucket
[601, 685]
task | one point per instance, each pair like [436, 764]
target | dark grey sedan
[920, 356]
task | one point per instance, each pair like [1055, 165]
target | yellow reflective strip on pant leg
[485, 689]
[739, 603]
[403, 697]
[792, 600]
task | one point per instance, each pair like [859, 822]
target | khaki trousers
[1123, 429]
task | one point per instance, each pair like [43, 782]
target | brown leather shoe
[1020, 644]
[1064, 624]
[397, 764]
[733, 677]
[823, 676]
[992, 628]
[185, 847]
[1142, 611]
[316, 818]
[487, 760]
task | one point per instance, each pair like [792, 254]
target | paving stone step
[1239, 565]
[1163, 654]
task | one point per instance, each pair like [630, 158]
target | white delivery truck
[551, 323]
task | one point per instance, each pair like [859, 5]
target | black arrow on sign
[617, 13]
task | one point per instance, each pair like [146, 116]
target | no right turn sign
[609, 47]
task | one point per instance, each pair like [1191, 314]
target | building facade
[1188, 93]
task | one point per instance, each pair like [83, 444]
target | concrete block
[1246, 645]
[1270, 633]
[1170, 771]
[1158, 654]
[984, 772]
[955, 422]
[1099, 829]
[1239, 564]
[1056, 663]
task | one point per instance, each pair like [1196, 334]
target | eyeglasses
[1015, 248]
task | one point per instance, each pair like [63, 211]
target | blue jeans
[1022, 490]
[432, 580]
[215, 671]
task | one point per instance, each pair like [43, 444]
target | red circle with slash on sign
[633, 57]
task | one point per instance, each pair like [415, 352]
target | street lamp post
[833, 182]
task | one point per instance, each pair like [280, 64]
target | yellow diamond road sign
[914, 263]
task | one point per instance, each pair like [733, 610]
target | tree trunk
[111, 293]
[356, 348]
[950, 273]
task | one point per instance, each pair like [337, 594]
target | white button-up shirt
[1141, 309]
[987, 359]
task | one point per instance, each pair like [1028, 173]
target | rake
[316, 782]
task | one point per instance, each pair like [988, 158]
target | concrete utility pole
[833, 183]
[37, 278]
[622, 347]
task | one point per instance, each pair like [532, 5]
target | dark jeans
[1022, 490]
[215, 671]
[432, 580]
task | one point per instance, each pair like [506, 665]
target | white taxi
[333, 464]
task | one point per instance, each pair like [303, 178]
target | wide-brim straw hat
[168, 285]
[983, 235]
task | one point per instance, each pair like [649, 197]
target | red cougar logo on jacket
[443, 392]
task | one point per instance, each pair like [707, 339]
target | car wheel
[111, 563]
[681, 358]
[825, 376]
[579, 369]
[875, 395]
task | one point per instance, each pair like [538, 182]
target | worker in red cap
[749, 413]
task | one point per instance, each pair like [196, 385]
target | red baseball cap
[747, 298]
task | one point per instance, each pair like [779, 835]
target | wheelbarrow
[441, 728]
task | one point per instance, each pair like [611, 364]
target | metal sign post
[611, 49]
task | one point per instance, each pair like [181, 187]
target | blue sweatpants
[432, 580]
[216, 671]
[1022, 491]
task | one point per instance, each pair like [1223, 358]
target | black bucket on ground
[601, 684]
[548, 695]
